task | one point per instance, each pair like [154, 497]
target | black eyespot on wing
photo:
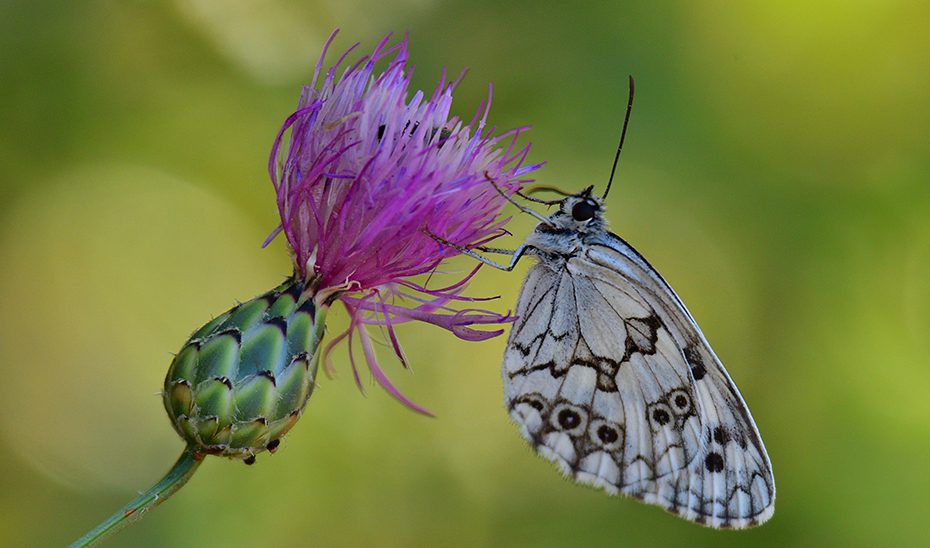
[660, 416]
[568, 418]
[680, 401]
[584, 210]
[606, 435]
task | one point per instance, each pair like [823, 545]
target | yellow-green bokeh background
[775, 172]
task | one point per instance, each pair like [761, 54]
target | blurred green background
[775, 173]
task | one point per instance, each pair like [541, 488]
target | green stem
[175, 479]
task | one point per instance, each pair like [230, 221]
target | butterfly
[607, 374]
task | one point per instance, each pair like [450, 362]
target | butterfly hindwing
[609, 377]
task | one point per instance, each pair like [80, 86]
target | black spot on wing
[661, 416]
[569, 419]
[695, 362]
[607, 434]
[714, 463]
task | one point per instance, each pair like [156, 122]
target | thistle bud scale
[242, 380]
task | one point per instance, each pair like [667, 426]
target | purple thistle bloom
[366, 172]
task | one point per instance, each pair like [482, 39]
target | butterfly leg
[510, 199]
[497, 250]
[514, 255]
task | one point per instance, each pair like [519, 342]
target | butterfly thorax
[579, 218]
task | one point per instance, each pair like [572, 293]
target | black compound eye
[584, 210]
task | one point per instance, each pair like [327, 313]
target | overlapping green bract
[241, 381]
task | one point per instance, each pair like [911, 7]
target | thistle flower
[369, 174]
[368, 169]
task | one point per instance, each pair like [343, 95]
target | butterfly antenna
[520, 206]
[529, 198]
[547, 188]
[626, 121]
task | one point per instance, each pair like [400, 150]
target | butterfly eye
[584, 210]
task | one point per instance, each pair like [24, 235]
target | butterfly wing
[608, 376]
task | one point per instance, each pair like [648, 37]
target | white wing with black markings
[608, 376]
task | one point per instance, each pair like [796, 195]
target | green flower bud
[242, 380]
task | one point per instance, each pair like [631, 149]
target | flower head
[370, 171]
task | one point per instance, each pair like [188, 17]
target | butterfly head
[582, 212]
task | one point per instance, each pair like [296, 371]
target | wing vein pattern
[608, 376]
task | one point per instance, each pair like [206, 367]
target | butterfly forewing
[608, 376]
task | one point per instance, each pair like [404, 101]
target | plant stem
[175, 479]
